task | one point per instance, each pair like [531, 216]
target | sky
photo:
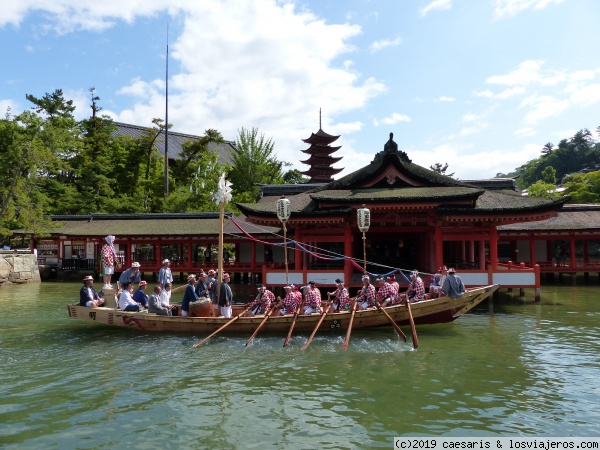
[479, 84]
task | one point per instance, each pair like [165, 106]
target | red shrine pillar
[494, 248]
[531, 251]
[439, 247]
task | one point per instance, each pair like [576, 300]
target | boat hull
[202, 321]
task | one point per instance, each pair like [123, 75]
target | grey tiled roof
[570, 217]
[176, 140]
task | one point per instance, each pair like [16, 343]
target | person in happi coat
[109, 260]
[189, 295]
[226, 297]
[164, 274]
[289, 303]
[131, 275]
[262, 303]
[415, 291]
[341, 297]
[386, 293]
[453, 285]
[366, 296]
[312, 299]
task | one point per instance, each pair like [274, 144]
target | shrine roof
[570, 217]
[120, 225]
[503, 202]
[301, 205]
[436, 193]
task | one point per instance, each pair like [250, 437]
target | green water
[511, 368]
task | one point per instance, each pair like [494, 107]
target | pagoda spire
[321, 159]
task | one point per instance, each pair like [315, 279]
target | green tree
[584, 188]
[254, 163]
[542, 189]
[294, 176]
[441, 169]
[549, 175]
[24, 160]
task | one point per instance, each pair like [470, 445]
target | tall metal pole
[166, 175]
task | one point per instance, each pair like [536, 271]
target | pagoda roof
[326, 149]
[321, 136]
[325, 160]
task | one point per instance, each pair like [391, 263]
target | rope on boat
[338, 257]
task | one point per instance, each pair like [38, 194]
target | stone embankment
[18, 268]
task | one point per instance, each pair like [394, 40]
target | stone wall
[18, 268]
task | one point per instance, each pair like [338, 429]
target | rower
[262, 303]
[289, 303]
[366, 296]
[342, 298]
[312, 300]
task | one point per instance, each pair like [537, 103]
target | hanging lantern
[284, 209]
[363, 218]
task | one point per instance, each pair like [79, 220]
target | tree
[24, 160]
[294, 176]
[549, 175]
[547, 149]
[542, 189]
[584, 188]
[253, 163]
[441, 169]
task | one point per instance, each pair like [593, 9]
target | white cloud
[526, 132]
[542, 107]
[435, 5]
[527, 72]
[444, 98]
[383, 43]
[391, 120]
[510, 8]
[586, 95]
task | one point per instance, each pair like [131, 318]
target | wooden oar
[316, 328]
[347, 340]
[221, 328]
[296, 314]
[259, 327]
[413, 329]
[394, 324]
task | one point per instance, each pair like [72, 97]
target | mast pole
[166, 173]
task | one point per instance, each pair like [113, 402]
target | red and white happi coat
[313, 299]
[367, 294]
[342, 299]
[290, 303]
[386, 291]
[263, 302]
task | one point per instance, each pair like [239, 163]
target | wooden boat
[202, 319]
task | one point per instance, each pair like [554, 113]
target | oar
[394, 324]
[347, 340]
[259, 327]
[316, 328]
[221, 328]
[289, 335]
[413, 329]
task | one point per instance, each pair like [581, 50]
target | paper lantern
[284, 209]
[363, 218]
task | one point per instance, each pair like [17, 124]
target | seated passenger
[289, 304]
[262, 303]
[366, 296]
[126, 302]
[438, 282]
[312, 299]
[87, 295]
[341, 297]
[154, 303]
[392, 280]
[189, 295]
[453, 285]
[415, 291]
[140, 295]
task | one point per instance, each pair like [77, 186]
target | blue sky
[479, 84]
